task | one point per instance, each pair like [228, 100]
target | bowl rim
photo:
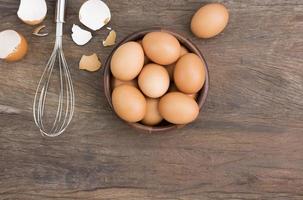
[135, 36]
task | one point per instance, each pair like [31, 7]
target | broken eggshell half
[80, 36]
[94, 14]
[90, 63]
[32, 12]
[13, 45]
[37, 31]
[110, 39]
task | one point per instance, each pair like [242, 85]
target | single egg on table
[209, 20]
[127, 61]
[161, 47]
[152, 116]
[129, 103]
[189, 73]
[178, 108]
[153, 80]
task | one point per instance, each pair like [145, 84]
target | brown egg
[194, 96]
[189, 73]
[183, 51]
[173, 88]
[127, 61]
[153, 80]
[161, 47]
[178, 108]
[146, 59]
[129, 103]
[116, 82]
[209, 20]
[170, 68]
[152, 116]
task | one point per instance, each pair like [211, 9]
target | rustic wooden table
[246, 144]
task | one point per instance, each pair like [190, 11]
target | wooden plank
[246, 144]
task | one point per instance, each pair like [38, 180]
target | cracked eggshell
[37, 31]
[80, 36]
[90, 63]
[94, 14]
[110, 39]
[32, 12]
[13, 45]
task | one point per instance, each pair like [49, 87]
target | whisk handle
[60, 11]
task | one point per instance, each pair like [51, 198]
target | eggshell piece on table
[110, 39]
[94, 14]
[129, 103]
[153, 80]
[189, 73]
[152, 116]
[37, 31]
[178, 108]
[209, 20]
[32, 12]
[90, 63]
[13, 46]
[116, 82]
[161, 47]
[80, 36]
[127, 61]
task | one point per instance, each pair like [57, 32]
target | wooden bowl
[163, 126]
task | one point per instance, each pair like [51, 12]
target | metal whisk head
[66, 97]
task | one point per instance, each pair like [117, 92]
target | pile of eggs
[156, 79]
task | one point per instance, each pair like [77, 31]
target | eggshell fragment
[94, 14]
[110, 39]
[178, 108]
[189, 73]
[13, 45]
[153, 80]
[80, 36]
[152, 116]
[37, 30]
[161, 47]
[127, 61]
[32, 12]
[90, 63]
[129, 103]
[209, 20]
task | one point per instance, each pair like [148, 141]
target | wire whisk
[66, 96]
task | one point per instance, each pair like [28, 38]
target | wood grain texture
[246, 144]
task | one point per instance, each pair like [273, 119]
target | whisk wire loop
[66, 96]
